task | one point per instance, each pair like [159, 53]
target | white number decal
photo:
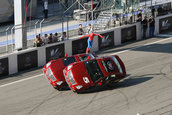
[86, 80]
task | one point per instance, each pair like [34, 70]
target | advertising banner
[4, 71]
[79, 46]
[165, 24]
[27, 60]
[107, 41]
[128, 34]
[55, 52]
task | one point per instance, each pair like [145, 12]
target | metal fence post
[7, 38]
[36, 27]
[12, 38]
[67, 28]
[41, 26]
[62, 25]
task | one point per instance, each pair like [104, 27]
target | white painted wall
[41, 56]
[139, 31]
[13, 65]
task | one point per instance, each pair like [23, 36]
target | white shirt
[45, 40]
[45, 5]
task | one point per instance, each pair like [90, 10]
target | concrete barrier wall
[163, 22]
[11, 60]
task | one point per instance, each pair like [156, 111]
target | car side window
[69, 60]
[108, 66]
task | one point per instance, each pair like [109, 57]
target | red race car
[94, 72]
[53, 70]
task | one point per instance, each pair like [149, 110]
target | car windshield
[93, 70]
[69, 60]
[108, 66]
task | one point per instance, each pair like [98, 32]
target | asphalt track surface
[146, 91]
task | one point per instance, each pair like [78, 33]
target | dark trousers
[151, 31]
[144, 32]
[46, 13]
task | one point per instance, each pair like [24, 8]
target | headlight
[48, 64]
[68, 67]
[70, 77]
[59, 82]
[50, 74]
[79, 87]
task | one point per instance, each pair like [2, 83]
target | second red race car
[53, 70]
[94, 72]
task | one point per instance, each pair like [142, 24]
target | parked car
[94, 72]
[53, 70]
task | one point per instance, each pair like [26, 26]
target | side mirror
[88, 58]
[66, 55]
[100, 83]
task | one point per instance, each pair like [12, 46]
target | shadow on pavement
[132, 81]
[158, 48]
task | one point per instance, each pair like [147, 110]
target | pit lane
[147, 89]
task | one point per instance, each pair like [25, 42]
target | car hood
[80, 75]
[57, 67]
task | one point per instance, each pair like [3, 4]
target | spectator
[153, 11]
[144, 26]
[139, 19]
[63, 36]
[80, 30]
[151, 26]
[55, 37]
[89, 29]
[50, 38]
[131, 20]
[140, 15]
[45, 39]
[160, 11]
[46, 8]
[38, 41]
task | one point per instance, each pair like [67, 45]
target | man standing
[140, 14]
[90, 41]
[46, 8]
[89, 29]
[151, 26]
[144, 26]
[80, 30]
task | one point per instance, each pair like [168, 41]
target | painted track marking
[20, 80]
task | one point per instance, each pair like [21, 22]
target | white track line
[20, 80]
[114, 53]
[142, 45]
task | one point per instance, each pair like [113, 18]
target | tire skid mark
[165, 74]
[102, 108]
[161, 73]
[65, 100]
[126, 98]
[90, 102]
[147, 113]
[47, 98]
[170, 111]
